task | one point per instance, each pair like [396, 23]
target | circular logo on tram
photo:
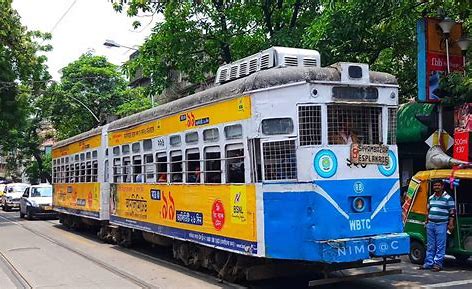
[325, 163]
[388, 170]
[218, 215]
[358, 187]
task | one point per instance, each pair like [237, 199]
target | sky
[78, 26]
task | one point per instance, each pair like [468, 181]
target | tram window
[147, 145]
[88, 173]
[276, 126]
[280, 161]
[126, 170]
[212, 170]
[358, 124]
[235, 163]
[234, 131]
[82, 156]
[392, 126]
[59, 178]
[138, 176]
[176, 166]
[82, 172]
[71, 172]
[77, 172]
[106, 172]
[149, 168]
[125, 149]
[136, 147]
[193, 166]
[66, 169]
[77, 158]
[117, 170]
[309, 122]
[175, 140]
[116, 151]
[94, 154]
[88, 155]
[191, 137]
[211, 134]
[161, 166]
[94, 171]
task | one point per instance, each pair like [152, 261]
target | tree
[89, 87]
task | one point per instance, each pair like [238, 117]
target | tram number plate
[369, 154]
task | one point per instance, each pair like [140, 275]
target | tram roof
[259, 80]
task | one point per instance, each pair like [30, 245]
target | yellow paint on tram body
[84, 196]
[76, 147]
[226, 111]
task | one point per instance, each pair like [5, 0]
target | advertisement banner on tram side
[78, 197]
[76, 147]
[217, 210]
[235, 109]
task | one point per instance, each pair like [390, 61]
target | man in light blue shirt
[441, 213]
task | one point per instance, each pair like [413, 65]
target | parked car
[37, 201]
[12, 195]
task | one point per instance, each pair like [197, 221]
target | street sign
[446, 140]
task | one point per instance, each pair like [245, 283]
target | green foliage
[39, 172]
[136, 101]
[90, 82]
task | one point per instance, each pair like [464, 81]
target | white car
[37, 201]
[12, 195]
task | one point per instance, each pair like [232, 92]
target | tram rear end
[340, 204]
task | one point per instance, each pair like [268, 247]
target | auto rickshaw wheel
[417, 252]
[461, 259]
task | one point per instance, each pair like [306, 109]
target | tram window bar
[212, 171]
[138, 176]
[350, 123]
[176, 167]
[235, 163]
[149, 168]
[88, 175]
[161, 167]
[280, 161]
[126, 170]
[392, 126]
[82, 172]
[309, 122]
[193, 169]
[66, 173]
[94, 171]
[77, 172]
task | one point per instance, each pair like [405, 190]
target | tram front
[342, 201]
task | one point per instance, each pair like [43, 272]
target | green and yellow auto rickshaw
[458, 183]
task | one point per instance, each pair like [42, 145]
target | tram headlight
[359, 204]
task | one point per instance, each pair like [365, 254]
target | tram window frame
[149, 169]
[77, 158]
[126, 172]
[228, 131]
[392, 125]
[310, 129]
[66, 173]
[212, 175]
[229, 160]
[176, 166]
[94, 154]
[136, 147]
[161, 167]
[175, 140]
[191, 137]
[94, 170]
[361, 119]
[277, 124]
[137, 164]
[125, 149]
[117, 169]
[147, 145]
[77, 172]
[88, 172]
[193, 166]
[71, 170]
[88, 155]
[209, 135]
[82, 172]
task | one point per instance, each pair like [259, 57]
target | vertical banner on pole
[432, 59]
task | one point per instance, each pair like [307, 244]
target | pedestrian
[440, 220]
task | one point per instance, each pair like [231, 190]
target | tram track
[138, 252]
[13, 273]
[101, 264]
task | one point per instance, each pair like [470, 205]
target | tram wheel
[417, 252]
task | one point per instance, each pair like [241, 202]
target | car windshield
[41, 192]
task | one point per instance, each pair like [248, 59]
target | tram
[281, 161]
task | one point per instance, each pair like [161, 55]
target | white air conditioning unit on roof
[270, 58]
